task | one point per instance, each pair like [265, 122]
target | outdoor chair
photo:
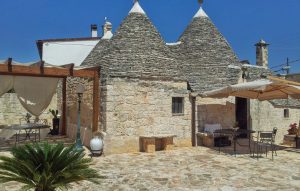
[265, 141]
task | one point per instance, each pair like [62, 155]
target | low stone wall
[138, 107]
[11, 109]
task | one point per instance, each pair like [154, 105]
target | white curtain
[35, 93]
[6, 83]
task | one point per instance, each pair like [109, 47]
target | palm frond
[47, 167]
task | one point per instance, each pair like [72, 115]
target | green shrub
[46, 167]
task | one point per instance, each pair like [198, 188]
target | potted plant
[27, 117]
[293, 130]
[55, 122]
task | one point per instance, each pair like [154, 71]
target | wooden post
[96, 100]
[9, 64]
[64, 106]
[193, 99]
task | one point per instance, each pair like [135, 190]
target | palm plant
[46, 167]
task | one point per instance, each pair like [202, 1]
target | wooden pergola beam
[70, 67]
[40, 70]
[44, 71]
[96, 96]
[9, 64]
[64, 107]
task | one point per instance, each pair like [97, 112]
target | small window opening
[177, 105]
[286, 113]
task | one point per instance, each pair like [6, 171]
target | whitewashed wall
[59, 53]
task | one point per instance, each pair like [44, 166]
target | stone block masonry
[264, 117]
[215, 111]
[11, 109]
[136, 108]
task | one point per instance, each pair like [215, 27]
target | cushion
[210, 128]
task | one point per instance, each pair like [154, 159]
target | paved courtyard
[193, 169]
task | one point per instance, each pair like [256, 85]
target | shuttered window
[177, 105]
[286, 113]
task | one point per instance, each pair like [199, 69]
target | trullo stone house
[148, 86]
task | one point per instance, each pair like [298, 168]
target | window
[177, 105]
[286, 113]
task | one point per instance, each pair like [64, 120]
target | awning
[263, 89]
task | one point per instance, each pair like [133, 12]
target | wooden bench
[154, 143]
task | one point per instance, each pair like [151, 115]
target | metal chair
[33, 132]
[266, 139]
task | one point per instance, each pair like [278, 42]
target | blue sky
[243, 23]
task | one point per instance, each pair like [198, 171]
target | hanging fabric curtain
[6, 84]
[35, 93]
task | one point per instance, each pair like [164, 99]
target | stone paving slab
[193, 169]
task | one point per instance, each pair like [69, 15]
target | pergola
[40, 69]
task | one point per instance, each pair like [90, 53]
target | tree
[46, 167]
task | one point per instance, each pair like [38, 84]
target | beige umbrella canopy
[263, 89]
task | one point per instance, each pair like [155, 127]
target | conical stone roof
[98, 51]
[205, 55]
[136, 50]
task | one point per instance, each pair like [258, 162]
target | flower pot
[96, 145]
[55, 126]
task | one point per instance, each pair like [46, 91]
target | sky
[242, 23]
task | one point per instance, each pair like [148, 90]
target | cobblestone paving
[194, 169]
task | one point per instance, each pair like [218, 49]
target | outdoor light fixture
[79, 90]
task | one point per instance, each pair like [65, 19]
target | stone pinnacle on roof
[137, 8]
[201, 13]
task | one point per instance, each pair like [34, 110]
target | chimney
[107, 27]
[94, 30]
[262, 56]
[107, 30]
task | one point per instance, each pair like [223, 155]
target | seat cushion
[210, 128]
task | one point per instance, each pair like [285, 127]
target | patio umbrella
[263, 89]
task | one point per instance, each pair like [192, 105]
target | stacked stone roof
[137, 50]
[205, 55]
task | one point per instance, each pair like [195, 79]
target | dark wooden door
[242, 113]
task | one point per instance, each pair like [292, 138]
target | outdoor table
[234, 133]
[28, 127]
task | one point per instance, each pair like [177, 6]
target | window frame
[177, 105]
[286, 113]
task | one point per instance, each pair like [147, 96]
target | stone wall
[215, 111]
[11, 109]
[264, 116]
[137, 107]
[86, 117]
